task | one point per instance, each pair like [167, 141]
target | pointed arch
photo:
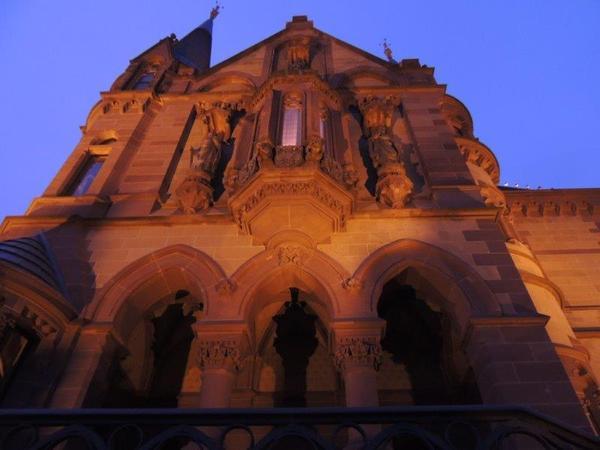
[166, 270]
[466, 292]
[288, 263]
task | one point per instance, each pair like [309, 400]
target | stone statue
[394, 187]
[315, 148]
[210, 131]
[299, 54]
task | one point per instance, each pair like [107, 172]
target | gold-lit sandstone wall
[125, 248]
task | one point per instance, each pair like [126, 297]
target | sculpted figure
[314, 149]
[299, 53]
[264, 153]
[210, 130]
[394, 187]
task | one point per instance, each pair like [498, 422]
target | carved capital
[357, 351]
[219, 354]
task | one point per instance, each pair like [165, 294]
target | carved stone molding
[311, 78]
[225, 286]
[357, 351]
[394, 189]
[533, 208]
[352, 284]
[493, 196]
[303, 197]
[292, 254]
[195, 193]
[288, 156]
[478, 154]
[219, 354]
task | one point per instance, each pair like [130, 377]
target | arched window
[144, 81]
[291, 124]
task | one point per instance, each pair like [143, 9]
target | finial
[215, 11]
[387, 50]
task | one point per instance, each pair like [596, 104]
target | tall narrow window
[144, 82]
[323, 128]
[291, 129]
[86, 176]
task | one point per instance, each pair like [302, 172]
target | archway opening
[293, 365]
[423, 363]
[149, 370]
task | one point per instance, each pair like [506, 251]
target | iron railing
[477, 427]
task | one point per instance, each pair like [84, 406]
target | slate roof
[32, 255]
[195, 48]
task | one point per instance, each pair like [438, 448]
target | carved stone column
[219, 356]
[357, 355]
[358, 358]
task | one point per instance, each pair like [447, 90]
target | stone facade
[167, 271]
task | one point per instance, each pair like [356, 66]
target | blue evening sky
[528, 70]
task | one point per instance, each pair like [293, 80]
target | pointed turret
[195, 48]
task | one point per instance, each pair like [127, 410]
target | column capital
[219, 353]
[357, 343]
[357, 351]
[220, 345]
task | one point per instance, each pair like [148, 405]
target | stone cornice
[552, 202]
[225, 217]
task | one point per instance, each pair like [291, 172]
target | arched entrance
[422, 362]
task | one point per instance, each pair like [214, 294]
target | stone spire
[195, 48]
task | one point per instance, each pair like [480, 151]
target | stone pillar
[358, 358]
[84, 379]
[219, 350]
[357, 354]
[515, 362]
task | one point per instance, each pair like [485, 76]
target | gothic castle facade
[302, 225]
